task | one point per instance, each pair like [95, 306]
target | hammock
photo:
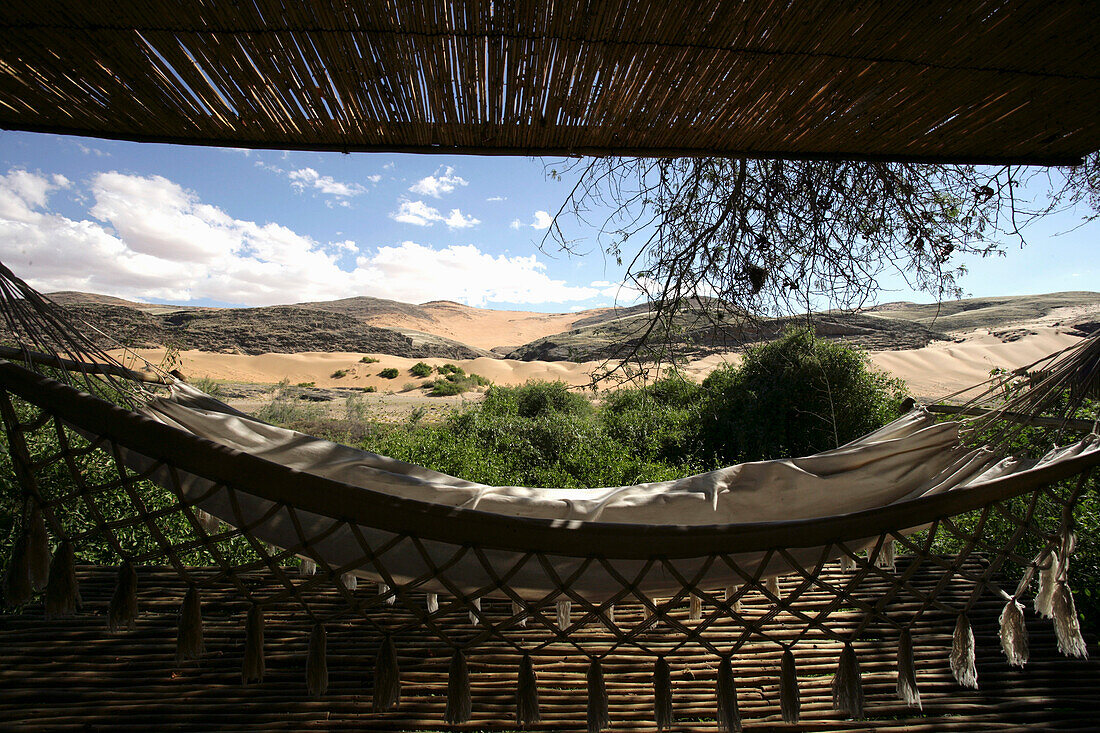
[315, 513]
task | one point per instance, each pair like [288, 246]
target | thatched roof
[978, 80]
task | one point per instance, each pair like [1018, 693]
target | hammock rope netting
[113, 456]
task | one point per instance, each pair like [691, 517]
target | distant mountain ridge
[451, 330]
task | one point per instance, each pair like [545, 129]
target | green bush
[420, 369]
[207, 385]
[339, 373]
[389, 373]
[794, 396]
[446, 369]
[368, 360]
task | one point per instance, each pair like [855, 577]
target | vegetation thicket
[795, 396]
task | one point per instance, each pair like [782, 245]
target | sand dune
[931, 372]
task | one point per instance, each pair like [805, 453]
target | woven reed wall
[978, 80]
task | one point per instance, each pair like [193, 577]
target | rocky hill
[451, 330]
[273, 329]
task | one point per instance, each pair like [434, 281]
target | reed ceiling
[977, 80]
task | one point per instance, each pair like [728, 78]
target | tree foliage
[734, 239]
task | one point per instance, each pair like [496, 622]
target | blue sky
[229, 227]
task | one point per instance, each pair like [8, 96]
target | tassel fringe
[662, 694]
[1048, 577]
[696, 609]
[316, 661]
[731, 592]
[598, 718]
[1014, 633]
[886, 556]
[252, 668]
[209, 523]
[527, 693]
[848, 685]
[387, 677]
[17, 585]
[38, 550]
[307, 568]
[189, 636]
[432, 602]
[62, 591]
[907, 671]
[1066, 625]
[459, 702]
[521, 613]
[475, 608]
[772, 586]
[123, 610]
[350, 581]
[789, 703]
[564, 608]
[962, 654]
[729, 716]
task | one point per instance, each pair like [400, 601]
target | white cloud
[543, 220]
[497, 198]
[304, 178]
[149, 238]
[444, 181]
[422, 215]
[375, 178]
[388, 166]
[516, 224]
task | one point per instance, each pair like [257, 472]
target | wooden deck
[75, 675]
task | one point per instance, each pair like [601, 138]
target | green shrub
[339, 373]
[420, 369]
[306, 384]
[368, 360]
[791, 397]
[410, 386]
[446, 369]
[390, 373]
[207, 385]
[370, 388]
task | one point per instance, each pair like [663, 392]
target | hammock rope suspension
[604, 576]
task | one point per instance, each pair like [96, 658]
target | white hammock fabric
[909, 458]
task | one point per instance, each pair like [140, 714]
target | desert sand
[931, 372]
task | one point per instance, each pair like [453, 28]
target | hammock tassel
[729, 717]
[123, 610]
[520, 613]
[847, 563]
[252, 668]
[611, 613]
[772, 586]
[848, 685]
[886, 556]
[1066, 625]
[38, 550]
[731, 593]
[475, 609]
[307, 568]
[598, 718]
[789, 703]
[459, 702]
[907, 671]
[432, 602]
[209, 523]
[316, 662]
[387, 677]
[384, 590]
[351, 582]
[564, 613]
[1014, 633]
[696, 612]
[1048, 579]
[662, 694]
[17, 587]
[962, 654]
[527, 693]
[62, 591]
[189, 637]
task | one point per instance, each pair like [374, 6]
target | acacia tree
[731, 240]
